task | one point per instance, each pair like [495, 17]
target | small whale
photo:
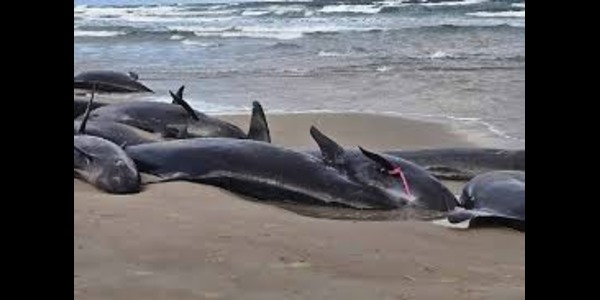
[110, 82]
[496, 197]
[167, 119]
[103, 164]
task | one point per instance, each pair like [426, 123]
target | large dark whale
[463, 163]
[110, 82]
[168, 119]
[357, 179]
[104, 164]
[496, 197]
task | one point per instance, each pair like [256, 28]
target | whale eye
[388, 173]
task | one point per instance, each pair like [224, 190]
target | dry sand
[187, 241]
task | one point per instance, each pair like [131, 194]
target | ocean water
[458, 62]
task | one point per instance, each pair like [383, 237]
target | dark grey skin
[110, 82]
[463, 163]
[267, 172]
[79, 107]
[460, 164]
[158, 117]
[120, 134]
[168, 119]
[104, 165]
[496, 197]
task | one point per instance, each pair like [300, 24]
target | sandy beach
[187, 241]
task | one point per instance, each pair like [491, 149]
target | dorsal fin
[259, 128]
[179, 101]
[88, 109]
[330, 150]
[179, 94]
[380, 160]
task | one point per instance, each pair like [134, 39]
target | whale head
[394, 181]
[105, 165]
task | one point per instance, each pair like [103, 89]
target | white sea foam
[241, 31]
[454, 3]
[383, 69]
[282, 10]
[269, 32]
[439, 54]
[304, 29]
[80, 8]
[402, 3]
[177, 37]
[279, 35]
[357, 9]
[117, 12]
[148, 14]
[199, 43]
[201, 29]
[86, 33]
[498, 14]
[465, 120]
[254, 12]
[275, 10]
[332, 54]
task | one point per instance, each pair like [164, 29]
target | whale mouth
[121, 185]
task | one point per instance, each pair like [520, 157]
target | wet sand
[188, 241]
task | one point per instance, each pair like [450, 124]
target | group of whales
[114, 143]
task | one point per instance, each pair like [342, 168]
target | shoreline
[476, 132]
[413, 132]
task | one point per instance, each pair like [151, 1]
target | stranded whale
[496, 197]
[110, 82]
[358, 179]
[168, 119]
[103, 164]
